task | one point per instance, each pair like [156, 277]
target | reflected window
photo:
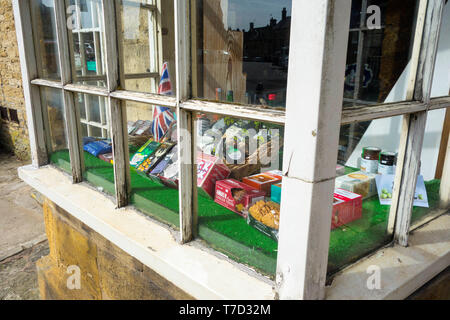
[242, 51]
[379, 50]
[147, 43]
[45, 41]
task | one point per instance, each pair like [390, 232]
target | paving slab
[21, 217]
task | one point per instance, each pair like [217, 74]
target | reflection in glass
[441, 80]
[432, 172]
[239, 188]
[242, 51]
[56, 131]
[96, 141]
[379, 51]
[147, 41]
[152, 141]
[52, 102]
[364, 183]
[94, 117]
[44, 31]
[86, 37]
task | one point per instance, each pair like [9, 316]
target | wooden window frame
[309, 167]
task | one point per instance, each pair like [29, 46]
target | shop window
[45, 41]
[241, 51]
[96, 142]
[239, 187]
[153, 154]
[234, 104]
[146, 41]
[379, 51]
[433, 200]
[363, 190]
[54, 119]
[441, 79]
[86, 41]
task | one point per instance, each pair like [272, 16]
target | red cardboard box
[237, 196]
[264, 181]
[209, 170]
[347, 207]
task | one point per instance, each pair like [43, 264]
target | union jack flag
[162, 116]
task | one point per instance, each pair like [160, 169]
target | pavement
[22, 233]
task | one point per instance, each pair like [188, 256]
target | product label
[385, 169]
[369, 166]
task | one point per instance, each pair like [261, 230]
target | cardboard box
[107, 157]
[264, 181]
[361, 183]
[265, 217]
[144, 152]
[155, 158]
[276, 193]
[209, 170]
[237, 196]
[347, 207]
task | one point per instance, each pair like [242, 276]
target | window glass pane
[96, 139]
[147, 43]
[238, 206]
[152, 141]
[363, 190]
[45, 42]
[431, 197]
[379, 50]
[54, 119]
[441, 81]
[86, 40]
[241, 51]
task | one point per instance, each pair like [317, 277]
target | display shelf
[228, 233]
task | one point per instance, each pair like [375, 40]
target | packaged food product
[264, 181]
[347, 207]
[170, 158]
[133, 126]
[387, 163]
[107, 157]
[369, 159]
[97, 148]
[359, 182]
[153, 159]
[144, 152]
[276, 193]
[209, 170]
[265, 217]
[237, 196]
[143, 129]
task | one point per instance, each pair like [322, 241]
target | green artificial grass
[227, 232]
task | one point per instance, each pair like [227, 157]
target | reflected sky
[242, 12]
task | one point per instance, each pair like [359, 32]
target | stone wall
[13, 136]
[106, 272]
